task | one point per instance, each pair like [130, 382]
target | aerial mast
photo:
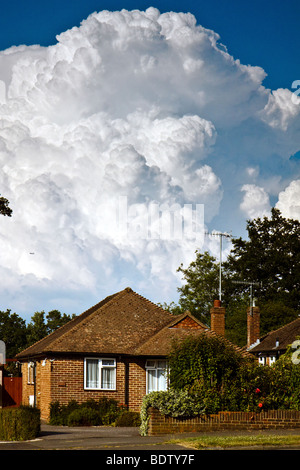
[221, 235]
[251, 284]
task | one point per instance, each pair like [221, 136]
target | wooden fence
[11, 391]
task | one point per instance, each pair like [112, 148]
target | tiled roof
[114, 326]
[123, 323]
[285, 336]
[179, 328]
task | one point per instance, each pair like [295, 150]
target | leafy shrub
[224, 380]
[84, 416]
[89, 413]
[203, 362]
[175, 403]
[19, 424]
[128, 418]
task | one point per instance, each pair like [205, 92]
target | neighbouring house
[117, 349]
[269, 347]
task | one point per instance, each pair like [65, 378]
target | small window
[262, 360]
[30, 375]
[156, 376]
[100, 374]
[272, 359]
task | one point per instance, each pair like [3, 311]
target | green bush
[19, 424]
[89, 413]
[175, 403]
[84, 417]
[128, 418]
[203, 362]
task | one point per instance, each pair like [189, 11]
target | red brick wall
[27, 389]
[160, 424]
[63, 380]
[137, 383]
[188, 323]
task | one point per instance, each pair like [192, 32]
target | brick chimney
[253, 325]
[217, 318]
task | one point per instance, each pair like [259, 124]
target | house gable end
[188, 323]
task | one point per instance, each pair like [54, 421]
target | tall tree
[38, 328]
[55, 320]
[270, 257]
[200, 286]
[12, 332]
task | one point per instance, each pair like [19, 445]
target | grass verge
[237, 441]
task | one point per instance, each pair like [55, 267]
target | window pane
[150, 363]
[162, 364]
[161, 380]
[108, 362]
[108, 378]
[151, 374]
[92, 373]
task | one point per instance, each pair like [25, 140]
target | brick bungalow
[117, 348]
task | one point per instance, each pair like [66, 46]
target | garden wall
[160, 424]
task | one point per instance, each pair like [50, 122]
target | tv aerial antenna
[221, 235]
[251, 284]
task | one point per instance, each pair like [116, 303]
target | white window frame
[156, 365]
[101, 367]
[262, 360]
[272, 360]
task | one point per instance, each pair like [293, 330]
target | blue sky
[260, 32]
[153, 107]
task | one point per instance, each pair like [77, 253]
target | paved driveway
[91, 438]
[113, 439]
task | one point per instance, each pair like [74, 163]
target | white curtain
[92, 373]
[108, 378]
[161, 380]
[151, 380]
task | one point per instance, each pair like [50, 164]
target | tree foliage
[270, 257]
[12, 332]
[17, 335]
[200, 286]
[4, 207]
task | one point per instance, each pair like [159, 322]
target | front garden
[100, 412]
[208, 375]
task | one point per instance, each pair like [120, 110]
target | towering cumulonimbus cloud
[138, 105]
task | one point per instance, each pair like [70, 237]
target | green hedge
[104, 411]
[19, 424]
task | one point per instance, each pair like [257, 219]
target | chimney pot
[217, 303]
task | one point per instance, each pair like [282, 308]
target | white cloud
[255, 202]
[137, 104]
[282, 109]
[289, 201]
